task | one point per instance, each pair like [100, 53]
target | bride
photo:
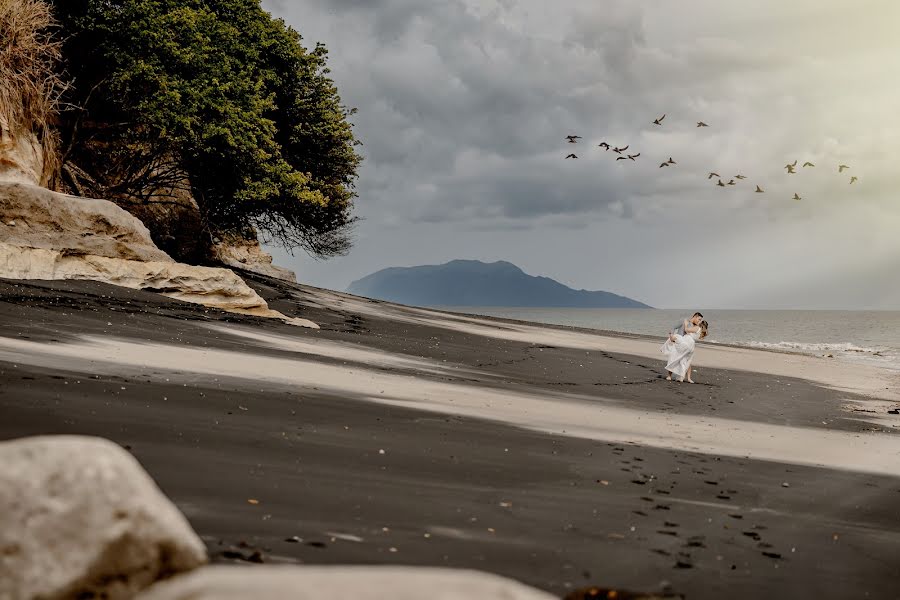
[679, 350]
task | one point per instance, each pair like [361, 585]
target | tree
[216, 96]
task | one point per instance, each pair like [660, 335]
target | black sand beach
[336, 478]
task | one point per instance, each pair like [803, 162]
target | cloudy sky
[464, 106]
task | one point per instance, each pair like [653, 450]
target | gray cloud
[464, 106]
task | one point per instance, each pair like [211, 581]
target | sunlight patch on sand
[565, 414]
[357, 353]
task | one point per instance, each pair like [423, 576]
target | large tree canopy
[217, 95]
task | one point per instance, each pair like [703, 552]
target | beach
[554, 455]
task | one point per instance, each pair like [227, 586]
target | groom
[695, 321]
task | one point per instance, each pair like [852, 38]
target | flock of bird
[791, 168]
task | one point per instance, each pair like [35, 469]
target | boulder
[245, 252]
[80, 518]
[361, 583]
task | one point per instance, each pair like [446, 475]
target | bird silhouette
[573, 139]
[659, 120]
[731, 182]
[621, 158]
[797, 196]
[759, 190]
[854, 179]
[790, 169]
[665, 164]
[711, 175]
[620, 150]
[720, 184]
[808, 164]
[671, 162]
[701, 124]
[740, 177]
[604, 145]
[572, 156]
[842, 167]
[634, 156]
[794, 164]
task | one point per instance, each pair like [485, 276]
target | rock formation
[48, 235]
[79, 518]
[246, 253]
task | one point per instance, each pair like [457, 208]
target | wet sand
[394, 435]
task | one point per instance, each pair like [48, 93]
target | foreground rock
[363, 583]
[79, 518]
[48, 235]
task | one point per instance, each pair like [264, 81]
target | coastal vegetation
[142, 99]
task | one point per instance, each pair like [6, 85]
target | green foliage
[221, 95]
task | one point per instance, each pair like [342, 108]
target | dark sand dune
[554, 511]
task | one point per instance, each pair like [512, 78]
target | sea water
[871, 337]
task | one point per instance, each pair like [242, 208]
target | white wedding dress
[680, 353]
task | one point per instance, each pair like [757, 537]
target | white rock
[80, 515]
[57, 236]
[360, 583]
[216, 288]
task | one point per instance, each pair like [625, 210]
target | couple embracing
[679, 348]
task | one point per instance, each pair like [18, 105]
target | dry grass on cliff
[30, 82]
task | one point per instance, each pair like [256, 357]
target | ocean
[871, 337]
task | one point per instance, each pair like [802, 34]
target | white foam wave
[881, 356]
[808, 348]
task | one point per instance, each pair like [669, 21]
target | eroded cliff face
[21, 156]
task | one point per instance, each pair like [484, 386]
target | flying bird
[604, 145]
[740, 177]
[790, 168]
[620, 150]
[633, 156]
[842, 167]
[808, 164]
[759, 190]
[573, 139]
[720, 184]
[797, 196]
[731, 182]
[854, 179]
[701, 124]
[711, 175]
[665, 164]
[671, 162]
[659, 120]
[622, 158]
[572, 156]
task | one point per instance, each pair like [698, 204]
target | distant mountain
[474, 283]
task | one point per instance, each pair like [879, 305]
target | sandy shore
[398, 435]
